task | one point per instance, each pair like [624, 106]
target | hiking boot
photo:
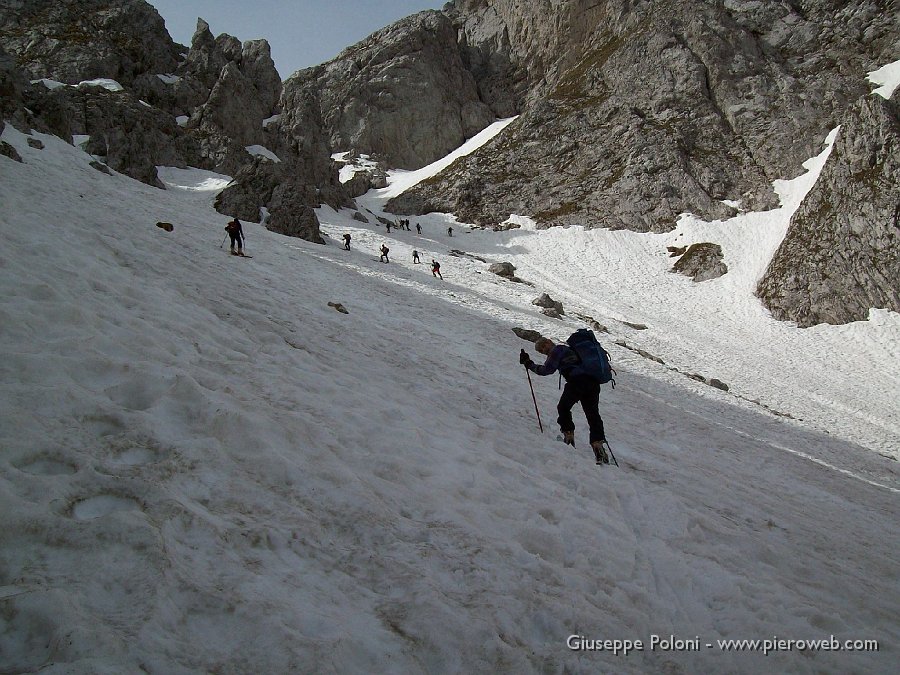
[569, 438]
[600, 452]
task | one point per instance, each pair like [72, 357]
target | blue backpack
[593, 359]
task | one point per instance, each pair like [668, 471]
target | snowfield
[206, 468]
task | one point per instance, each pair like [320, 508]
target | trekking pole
[540, 426]
[612, 454]
[223, 241]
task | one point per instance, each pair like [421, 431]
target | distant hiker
[436, 269]
[384, 253]
[407, 226]
[580, 387]
[416, 260]
[236, 232]
[418, 229]
[388, 226]
[449, 231]
[347, 241]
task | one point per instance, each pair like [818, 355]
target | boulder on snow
[9, 151]
[548, 303]
[701, 262]
[503, 269]
[526, 334]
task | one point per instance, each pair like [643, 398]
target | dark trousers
[586, 391]
[236, 239]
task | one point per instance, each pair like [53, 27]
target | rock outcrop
[545, 302]
[403, 94]
[13, 88]
[841, 254]
[701, 262]
[78, 40]
[214, 106]
[634, 112]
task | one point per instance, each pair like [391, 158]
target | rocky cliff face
[403, 94]
[13, 88]
[633, 112]
[79, 40]
[225, 95]
[841, 254]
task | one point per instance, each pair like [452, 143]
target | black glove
[524, 359]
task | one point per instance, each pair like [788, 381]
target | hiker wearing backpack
[347, 241]
[416, 260]
[384, 253]
[578, 362]
[436, 269]
[236, 232]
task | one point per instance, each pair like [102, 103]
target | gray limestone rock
[359, 184]
[101, 167]
[701, 262]
[290, 214]
[339, 307]
[250, 189]
[9, 151]
[503, 269]
[233, 109]
[633, 113]
[546, 302]
[527, 334]
[130, 137]
[403, 93]
[76, 40]
[300, 140]
[14, 87]
[841, 254]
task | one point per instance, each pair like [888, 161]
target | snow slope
[205, 467]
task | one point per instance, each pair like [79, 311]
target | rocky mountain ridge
[633, 112]
[208, 106]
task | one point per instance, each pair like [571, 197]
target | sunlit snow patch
[262, 151]
[524, 222]
[193, 180]
[399, 181]
[106, 83]
[888, 77]
[350, 169]
[792, 192]
[168, 79]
